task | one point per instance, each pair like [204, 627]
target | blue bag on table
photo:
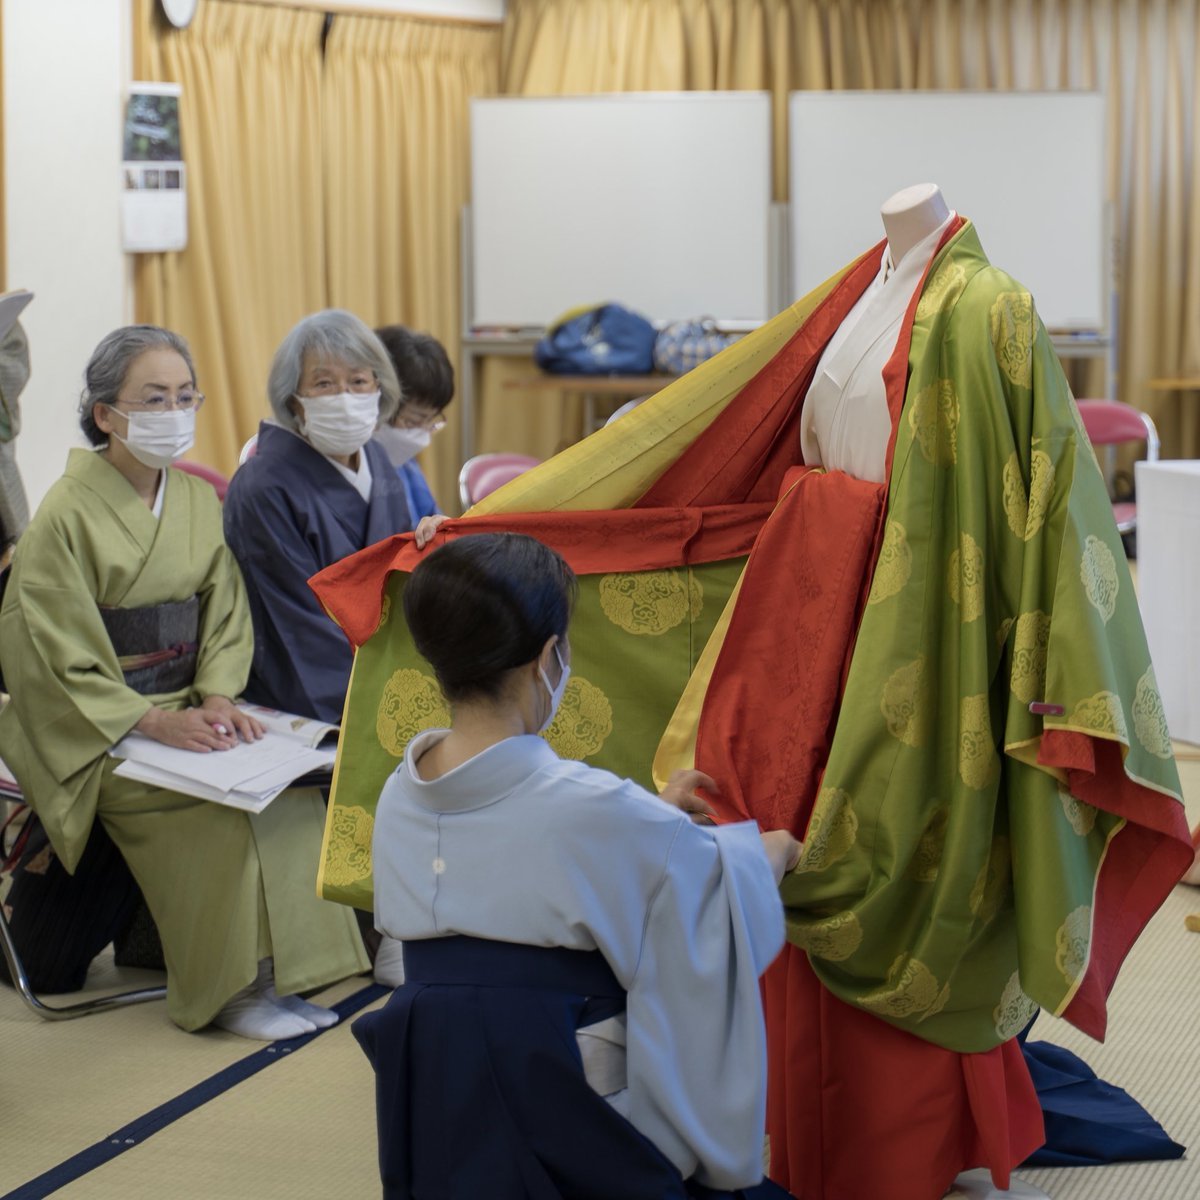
[608, 340]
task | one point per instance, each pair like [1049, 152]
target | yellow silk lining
[617, 464]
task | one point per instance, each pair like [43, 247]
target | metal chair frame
[65, 1012]
[1149, 436]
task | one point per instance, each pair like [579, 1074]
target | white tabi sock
[322, 1018]
[389, 962]
[251, 1015]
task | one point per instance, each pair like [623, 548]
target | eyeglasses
[187, 401]
[413, 421]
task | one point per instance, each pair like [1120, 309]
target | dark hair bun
[483, 604]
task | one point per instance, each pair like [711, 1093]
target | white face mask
[402, 444]
[157, 439]
[556, 693]
[339, 425]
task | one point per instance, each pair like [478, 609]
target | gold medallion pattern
[1015, 1009]
[1016, 499]
[927, 858]
[948, 278]
[1030, 647]
[832, 830]
[348, 856]
[1073, 944]
[385, 611]
[903, 703]
[649, 603]
[583, 721]
[1149, 719]
[978, 764]
[911, 989]
[1080, 816]
[1102, 714]
[1012, 321]
[833, 938]
[992, 883]
[1002, 632]
[933, 418]
[1041, 489]
[1098, 571]
[1026, 510]
[966, 578]
[895, 564]
[411, 702]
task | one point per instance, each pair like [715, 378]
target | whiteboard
[1026, 167]
[658, 200]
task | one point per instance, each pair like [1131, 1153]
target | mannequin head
[912, 215]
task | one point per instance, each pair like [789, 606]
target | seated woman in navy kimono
[317, 489]
[581, 1016]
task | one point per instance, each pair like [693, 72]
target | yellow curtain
[1141, 52]
[255, 259]
[397, 172]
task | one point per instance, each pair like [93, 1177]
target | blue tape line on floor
[166, 1114]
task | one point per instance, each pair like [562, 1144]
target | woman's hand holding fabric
[426, 528]
[680, 792]
[783, 851]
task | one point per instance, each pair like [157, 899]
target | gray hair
[339, 335]
[109, 365]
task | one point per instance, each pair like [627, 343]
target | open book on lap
[249, 776]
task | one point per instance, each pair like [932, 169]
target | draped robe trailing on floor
[225, 888]
[867, 685]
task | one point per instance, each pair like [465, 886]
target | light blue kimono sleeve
[697, 1056]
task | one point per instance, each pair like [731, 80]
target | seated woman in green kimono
[125, 610]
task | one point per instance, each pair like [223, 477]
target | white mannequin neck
[912, 215]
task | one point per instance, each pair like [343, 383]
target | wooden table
[1188, 424]
[592, 388]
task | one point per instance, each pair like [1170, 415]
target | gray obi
[156, 646]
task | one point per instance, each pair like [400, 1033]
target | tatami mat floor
[305, 1126]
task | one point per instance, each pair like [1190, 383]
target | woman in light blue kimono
[581, 1015]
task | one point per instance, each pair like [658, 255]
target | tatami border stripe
[150, 1123]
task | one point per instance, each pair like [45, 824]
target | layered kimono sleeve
[301, 658]
[59, 663]
[226, 635]
[696, 1044]
[69, 701]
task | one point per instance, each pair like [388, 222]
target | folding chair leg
[64, 1012]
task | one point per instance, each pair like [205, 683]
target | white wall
[66, 67]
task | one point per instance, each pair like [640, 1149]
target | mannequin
[845, 424]
[912, 215]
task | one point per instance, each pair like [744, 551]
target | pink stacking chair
[483, 474]
[1111, 423]
[219, 482]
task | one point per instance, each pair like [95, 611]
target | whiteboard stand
[477, 345]
[779, 257]
[1103, 344]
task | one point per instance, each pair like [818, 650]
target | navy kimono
[288, 514]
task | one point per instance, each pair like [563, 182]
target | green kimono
[1000, 812]
[225, 888]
